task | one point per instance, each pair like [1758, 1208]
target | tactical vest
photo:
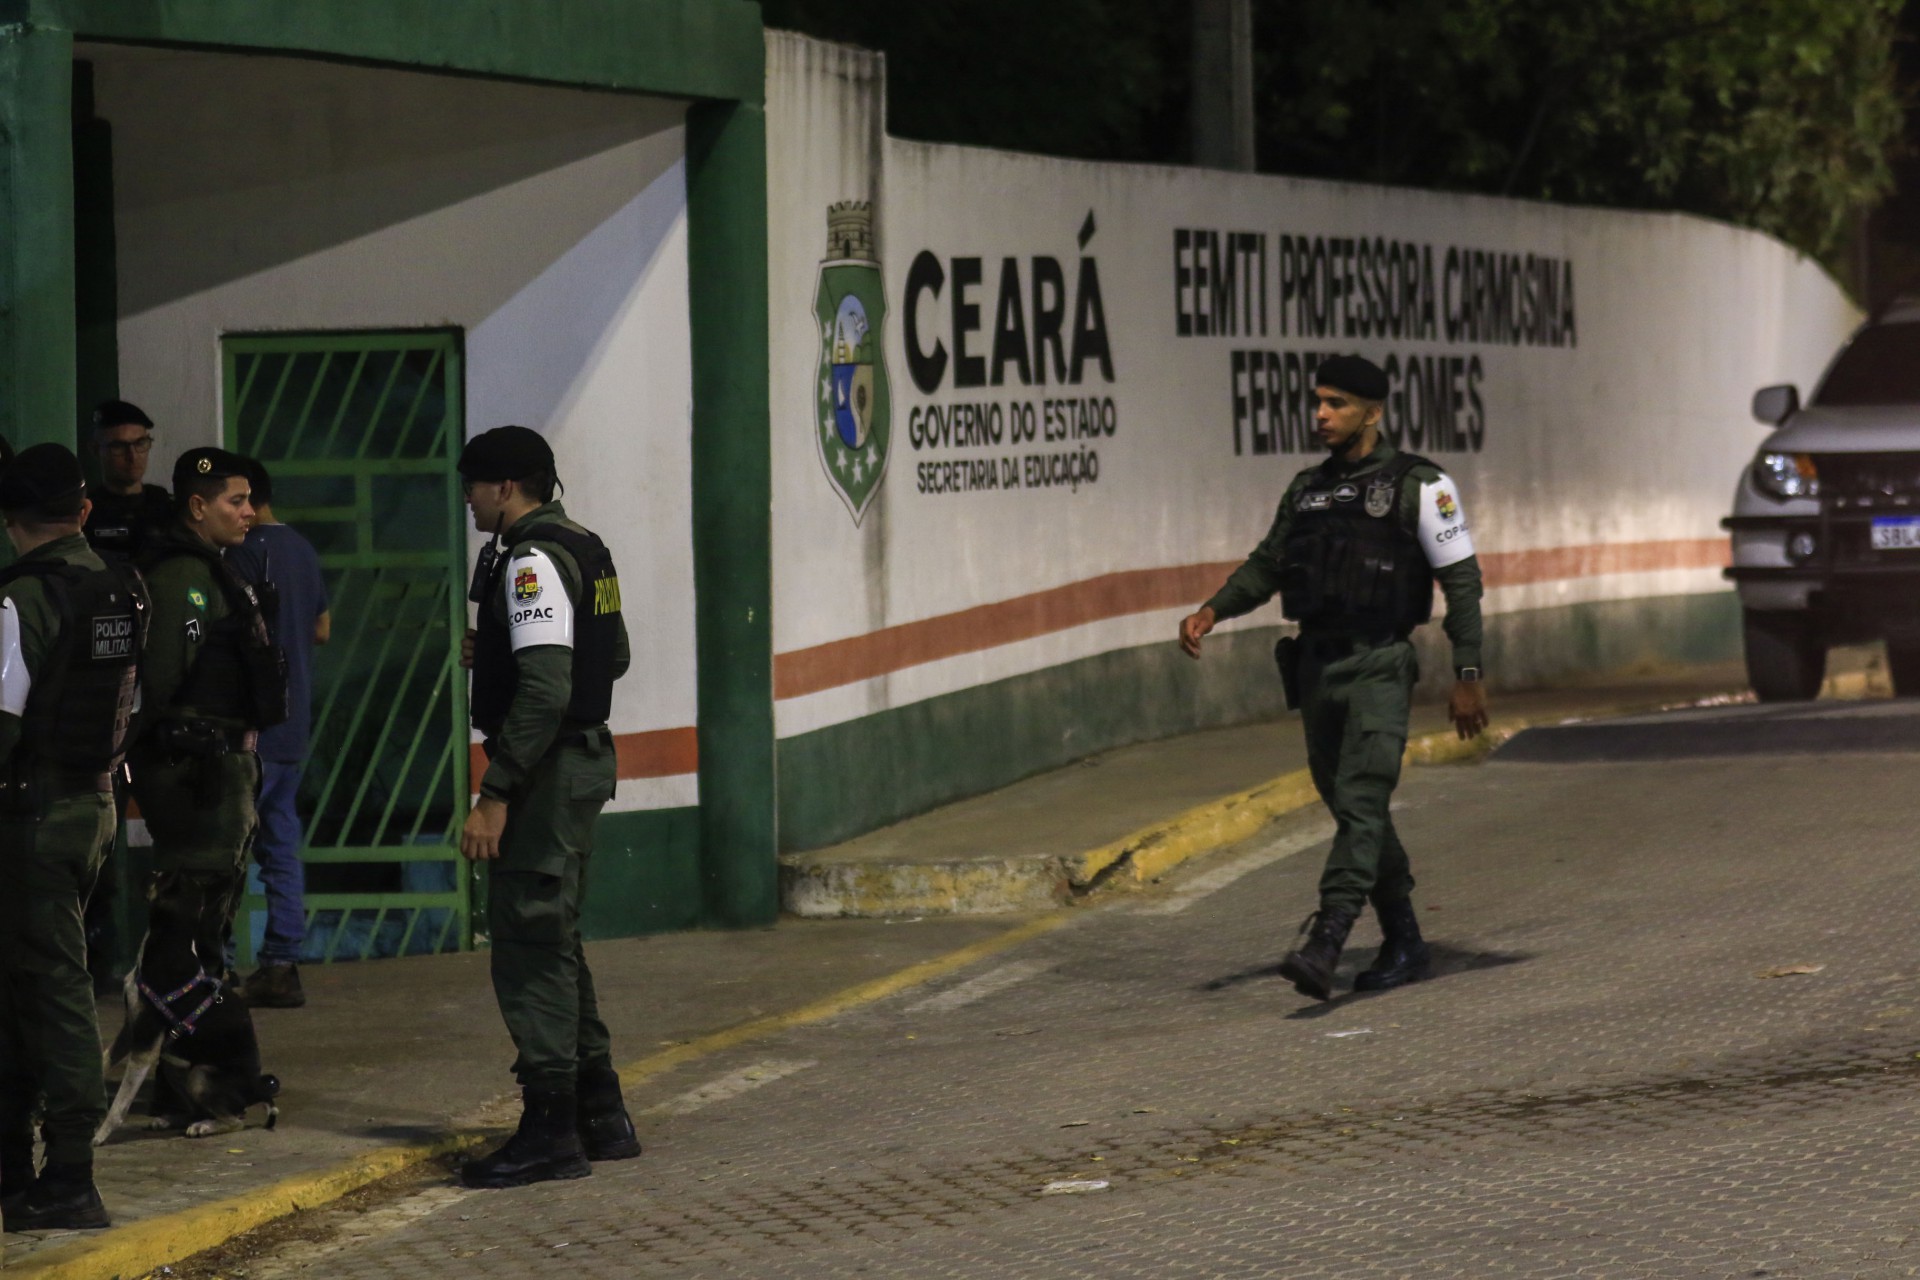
[78, 709]
[1350, 562]
[596, 637]
[239, 673]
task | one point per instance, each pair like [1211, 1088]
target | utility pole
[1223, 84]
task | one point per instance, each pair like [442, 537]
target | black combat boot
[1310, 967]
[1403, 955]
[606, 1131]
[544, 1148]
[63, 1198]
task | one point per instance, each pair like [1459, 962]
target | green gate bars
[361, 432]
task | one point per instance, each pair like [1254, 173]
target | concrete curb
[824, 889]
[1151, 852]
[139, 1248]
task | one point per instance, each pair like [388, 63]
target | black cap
[119, 413]
[1352, 374]
[41, 475]
[506, 453]
[206, 464]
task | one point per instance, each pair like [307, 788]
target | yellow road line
[141, 1247]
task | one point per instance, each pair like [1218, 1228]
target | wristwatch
[1467, 675]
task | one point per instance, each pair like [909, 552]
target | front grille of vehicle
[1855, 488]
[1869, 481]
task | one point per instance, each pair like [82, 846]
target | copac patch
[1443, 502]
[526, 584]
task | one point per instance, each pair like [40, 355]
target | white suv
[1826, 522]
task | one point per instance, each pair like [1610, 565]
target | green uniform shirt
[39, 624]
[545, 684]
[187, 601]
[1256, 581]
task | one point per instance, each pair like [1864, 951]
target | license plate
[1896, 535]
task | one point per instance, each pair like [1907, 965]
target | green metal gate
[361, 432]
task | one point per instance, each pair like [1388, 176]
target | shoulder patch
[539, 611]
[193, 630]
[197, 599]
[1443, 531]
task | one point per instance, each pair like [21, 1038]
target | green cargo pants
[534, 897]
[1355, 707]
[201, 816]
[49, 1040]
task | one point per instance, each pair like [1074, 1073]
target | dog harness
[163, 1004]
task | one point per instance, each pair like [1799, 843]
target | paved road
[1602, 1081]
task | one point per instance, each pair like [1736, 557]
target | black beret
[506, 453]
[1352, 374]
[206, 464]
[119, 413]
[38, 475]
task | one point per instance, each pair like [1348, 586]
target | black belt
[51, 778]
[565, 738]
[1330, 645]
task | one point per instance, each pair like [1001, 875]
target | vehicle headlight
[1786, 475]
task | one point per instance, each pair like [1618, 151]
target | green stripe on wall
[645, 874]
[848, 779]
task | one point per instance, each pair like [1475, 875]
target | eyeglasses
[128, 447]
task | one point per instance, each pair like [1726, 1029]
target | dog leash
[163, 1004]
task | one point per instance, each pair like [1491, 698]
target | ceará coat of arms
[853, 415]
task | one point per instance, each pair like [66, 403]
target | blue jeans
[283, 877]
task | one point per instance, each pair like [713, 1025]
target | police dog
[183, 1018]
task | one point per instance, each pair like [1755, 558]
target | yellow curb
[142, 1247]
[1149, 853]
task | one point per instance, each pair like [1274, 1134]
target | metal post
[36, 236]
[1223, 84]
[732, 509]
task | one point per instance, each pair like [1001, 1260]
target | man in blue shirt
[299, 619]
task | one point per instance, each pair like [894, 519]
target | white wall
[1613, 457]
[548, 224]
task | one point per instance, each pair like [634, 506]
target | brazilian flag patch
[199, 601]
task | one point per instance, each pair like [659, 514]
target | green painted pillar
[36, 236]
[732, 509]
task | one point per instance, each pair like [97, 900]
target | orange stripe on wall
[989, 626]
[1114, 595]
[658, 753]
[1520, 568]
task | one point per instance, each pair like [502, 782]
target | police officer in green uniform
[70, 634]
[210, 681]
[548, 645]
[1354, 551]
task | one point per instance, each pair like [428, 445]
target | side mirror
[1774, 405]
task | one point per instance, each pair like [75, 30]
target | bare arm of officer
[1467, 707]
[466, 649]
[323, 627]
[1193, 628]
[480, 837]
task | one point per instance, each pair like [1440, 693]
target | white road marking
[731, 1085]
[356, 1230]
[1211, 882]
[981, 987]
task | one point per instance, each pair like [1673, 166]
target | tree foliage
[1775, 114]
[1093, 79]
